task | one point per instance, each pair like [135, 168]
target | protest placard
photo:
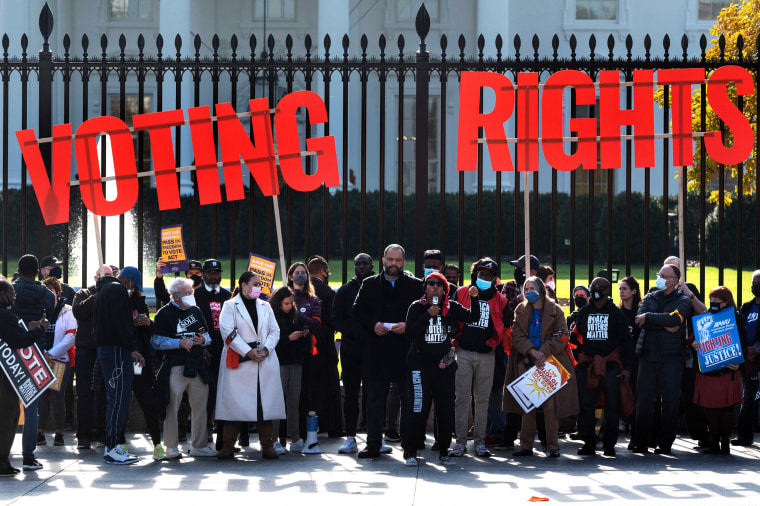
[27, 370]
[718, 339]
[173, 249]
[60, 370]
[532, 388]
[265, 268]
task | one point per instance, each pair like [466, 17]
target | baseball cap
[520, 262]
[50, 261]
[132, 274]
[212, 264]
[194, 264]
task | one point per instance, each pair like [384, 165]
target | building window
[129, 9]
[596, 10]
[406, 10]
[284, 10]
[410, 140]
[597, 177]
[709, 9]
[130, 109]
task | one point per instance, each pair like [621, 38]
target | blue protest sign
[718, 339]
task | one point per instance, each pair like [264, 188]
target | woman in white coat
[249, 387]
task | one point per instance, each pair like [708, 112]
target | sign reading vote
[265, 268]
[718, 339]
[173, 249]
[27, 371]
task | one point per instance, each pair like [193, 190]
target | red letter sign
[123, 164]
[717, 96]
[289, 148]
[53, 195]
[527, 121]
[680, 81]
[493, 122]
[585, 128]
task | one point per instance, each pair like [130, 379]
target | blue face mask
[531, 297]
[660, 283]
[430, 271]
[482, 284]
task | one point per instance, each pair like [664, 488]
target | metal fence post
[422, 24]
[44, 244]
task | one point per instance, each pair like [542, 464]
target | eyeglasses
[665, 277]
[434, 283]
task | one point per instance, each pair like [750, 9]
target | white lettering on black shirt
[598, 325]
[485, 316]
[436, 332]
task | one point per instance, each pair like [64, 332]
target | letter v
[52, 194]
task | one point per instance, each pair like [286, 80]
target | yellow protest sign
[265, 268]
[173, 249]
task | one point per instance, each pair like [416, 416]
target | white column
[332, 19]
[493, 19]
[175, 18]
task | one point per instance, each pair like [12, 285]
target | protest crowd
[495, 362]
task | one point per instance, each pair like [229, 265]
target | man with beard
[352, 349]
[325, 381]
[381, 308]
[209, 297]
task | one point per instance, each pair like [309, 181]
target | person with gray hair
[180, 329]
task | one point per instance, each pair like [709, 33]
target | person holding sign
[430, 363]
[605, 360]
[663, 314]
[719, 391]
[537, 333]
[13, 334]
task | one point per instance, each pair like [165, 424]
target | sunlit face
[530, 286]
[286, 305]
[626, 293]
[393, 262]
[435, 288]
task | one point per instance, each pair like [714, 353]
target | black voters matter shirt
[604, 329]
[431, 335]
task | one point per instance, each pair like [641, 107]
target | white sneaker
[457, 451]
[117, 455]
[349, 446]
[446, 461]
[385, 448]
[279, 449]
[411, 462]
[124, 447]
[205, 451]
[173, 453]
[296, 446]
[482, 451]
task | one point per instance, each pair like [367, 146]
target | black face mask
[756, 290]
[197, 280]
[57, 273]
[597, 294]
[579, 301]
[714, 307]
[519, 276]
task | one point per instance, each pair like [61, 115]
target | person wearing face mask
[90, 399]
[749, 311]
[719, 391]
[250, 386]
[512, 290]
[194, 273]
[14, 335]
[430, 367]
[180, 329]
[605, 361]
[113, 329]
[476, 341]
[432, 261]
[209, 297]
[662, 314]
[581, 296]
[546, 274]
[352, 348]
[308, 304]
[537, 333]
[325, 380]
[50, 266]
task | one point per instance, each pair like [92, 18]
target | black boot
[726, 428]
[713, 427]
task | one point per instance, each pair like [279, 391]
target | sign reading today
[173, 249]
[718, 340]
[27, 370]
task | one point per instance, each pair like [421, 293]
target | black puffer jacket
[112, 315]
[671, 310]
[344, 321]
[32, 300]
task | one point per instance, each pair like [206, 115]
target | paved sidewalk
[78, 477]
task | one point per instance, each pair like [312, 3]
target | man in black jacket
[89, 399]
[117, 351]
[748, 414]
[325, 381]
[210, 297]
[381, 308]
[663, 314]
[604, 344]
[14, 335]
[351, 349]
[33, 302]
[194, 272]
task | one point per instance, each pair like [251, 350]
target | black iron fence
[601, 227]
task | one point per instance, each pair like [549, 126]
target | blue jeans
[29, 436]
[118, 374]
